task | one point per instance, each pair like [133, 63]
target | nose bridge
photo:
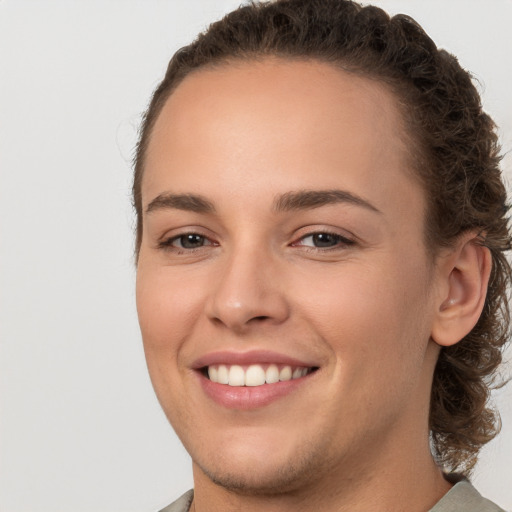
[248, 288]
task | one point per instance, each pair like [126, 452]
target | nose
[248, 291]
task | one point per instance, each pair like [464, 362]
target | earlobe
[465, 275]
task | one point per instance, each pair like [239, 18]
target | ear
[464, 276]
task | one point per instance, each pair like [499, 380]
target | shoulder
[463, 497]
[182, 504]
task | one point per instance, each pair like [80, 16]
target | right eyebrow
[187, 202]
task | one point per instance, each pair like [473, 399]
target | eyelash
[167, 244]
[341, 242]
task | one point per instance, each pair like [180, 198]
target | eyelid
[344, 240]
[206, 241]
[166, 241]
[314, 230]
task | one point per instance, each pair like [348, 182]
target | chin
[263, 474]
[259, 481]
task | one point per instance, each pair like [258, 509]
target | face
[283, 283]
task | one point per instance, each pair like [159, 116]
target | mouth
[254, 375]
[252, 379]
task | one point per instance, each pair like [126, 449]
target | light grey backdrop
[80, 427]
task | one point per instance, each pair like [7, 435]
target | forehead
[310, 95]
[294, 118]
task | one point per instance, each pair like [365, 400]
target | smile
[252, 379]
[254, 374]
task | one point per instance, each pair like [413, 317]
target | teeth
[213, 373]
[254, 375]
[222, 375]
[297, 373]
[236, 376]
[272, 374]
[285, 373]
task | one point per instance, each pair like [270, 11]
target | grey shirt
[462, 497]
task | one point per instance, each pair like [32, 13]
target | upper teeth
[253, 375]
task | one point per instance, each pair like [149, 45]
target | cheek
[373, 313]
[167, 307]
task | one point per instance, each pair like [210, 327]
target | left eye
[324, 240]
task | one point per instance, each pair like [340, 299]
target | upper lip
[249, 357]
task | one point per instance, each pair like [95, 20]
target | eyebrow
[300, 200]
[187, 202]
[308, 199]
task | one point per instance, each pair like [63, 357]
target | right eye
[186, 241]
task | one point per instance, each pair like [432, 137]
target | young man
[321, 279]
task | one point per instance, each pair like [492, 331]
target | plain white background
[80, 427]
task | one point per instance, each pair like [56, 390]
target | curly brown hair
[454, 152]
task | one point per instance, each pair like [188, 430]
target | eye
[188, 241]
[324, 240]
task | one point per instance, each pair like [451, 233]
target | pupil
[324, 240]
[191, 241]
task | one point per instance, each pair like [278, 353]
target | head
[449, 157]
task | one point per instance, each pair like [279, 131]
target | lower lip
[249, 397]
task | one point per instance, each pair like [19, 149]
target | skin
[354, 435]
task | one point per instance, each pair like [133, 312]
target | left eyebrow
[307, 199]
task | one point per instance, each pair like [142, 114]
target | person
[321, 271]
